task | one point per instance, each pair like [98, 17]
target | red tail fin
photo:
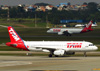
[14, 37]
[88, 27]
[16, 41]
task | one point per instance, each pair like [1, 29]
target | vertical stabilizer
[88, 27]
[14, 37]
[16, 41]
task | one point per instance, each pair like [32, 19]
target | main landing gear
[50, 55]
[66, 33]
[85, 54]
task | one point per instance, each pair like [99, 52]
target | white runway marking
[13, 63]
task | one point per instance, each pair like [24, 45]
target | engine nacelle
[44, 50]
[59, 52]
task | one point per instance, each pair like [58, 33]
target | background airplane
[83, 25]
[57, 48]
[69, 31]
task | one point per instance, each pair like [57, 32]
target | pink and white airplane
[69, 31]
[83, 25]
[57, 48]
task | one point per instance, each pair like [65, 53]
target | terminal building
[71, 21]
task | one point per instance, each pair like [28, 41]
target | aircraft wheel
[50, 55]
[66, 34]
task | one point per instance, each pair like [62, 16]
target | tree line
[54, 16]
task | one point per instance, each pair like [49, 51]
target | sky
[53, 2]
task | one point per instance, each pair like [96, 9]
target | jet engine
[59, 52]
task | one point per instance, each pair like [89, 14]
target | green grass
[25, 33]
[98, 48]
[96, 40]
[7, 48]
[23, 23]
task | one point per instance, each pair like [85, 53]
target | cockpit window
[91, 45]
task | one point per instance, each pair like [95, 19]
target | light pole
[8, 14]
[47, 21]
[47, 25]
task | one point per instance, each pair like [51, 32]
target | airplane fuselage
[57, 45]
[69, 30]
[61, 45]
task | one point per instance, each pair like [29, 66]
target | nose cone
[95, 48]
[48, 31]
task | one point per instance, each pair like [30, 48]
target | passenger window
[90, 44]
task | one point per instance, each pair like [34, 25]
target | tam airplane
[57, 48]
[69, 31]
[83, 25]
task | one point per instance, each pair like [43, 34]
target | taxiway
[31, 63]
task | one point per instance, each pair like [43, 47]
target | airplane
[56, 48]
[83, 25]
[70, 31]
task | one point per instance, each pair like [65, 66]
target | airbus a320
[70, 31]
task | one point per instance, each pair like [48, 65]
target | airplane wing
[46, 47]
[43, 48]
[49, 49]
[60, 33]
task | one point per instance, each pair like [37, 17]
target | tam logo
[56, 30]
[74, 45]
[14, 35]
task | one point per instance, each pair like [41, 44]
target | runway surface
[31, 63]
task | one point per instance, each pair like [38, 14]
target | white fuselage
[69, 30]
[83, 25]
[60, 45]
